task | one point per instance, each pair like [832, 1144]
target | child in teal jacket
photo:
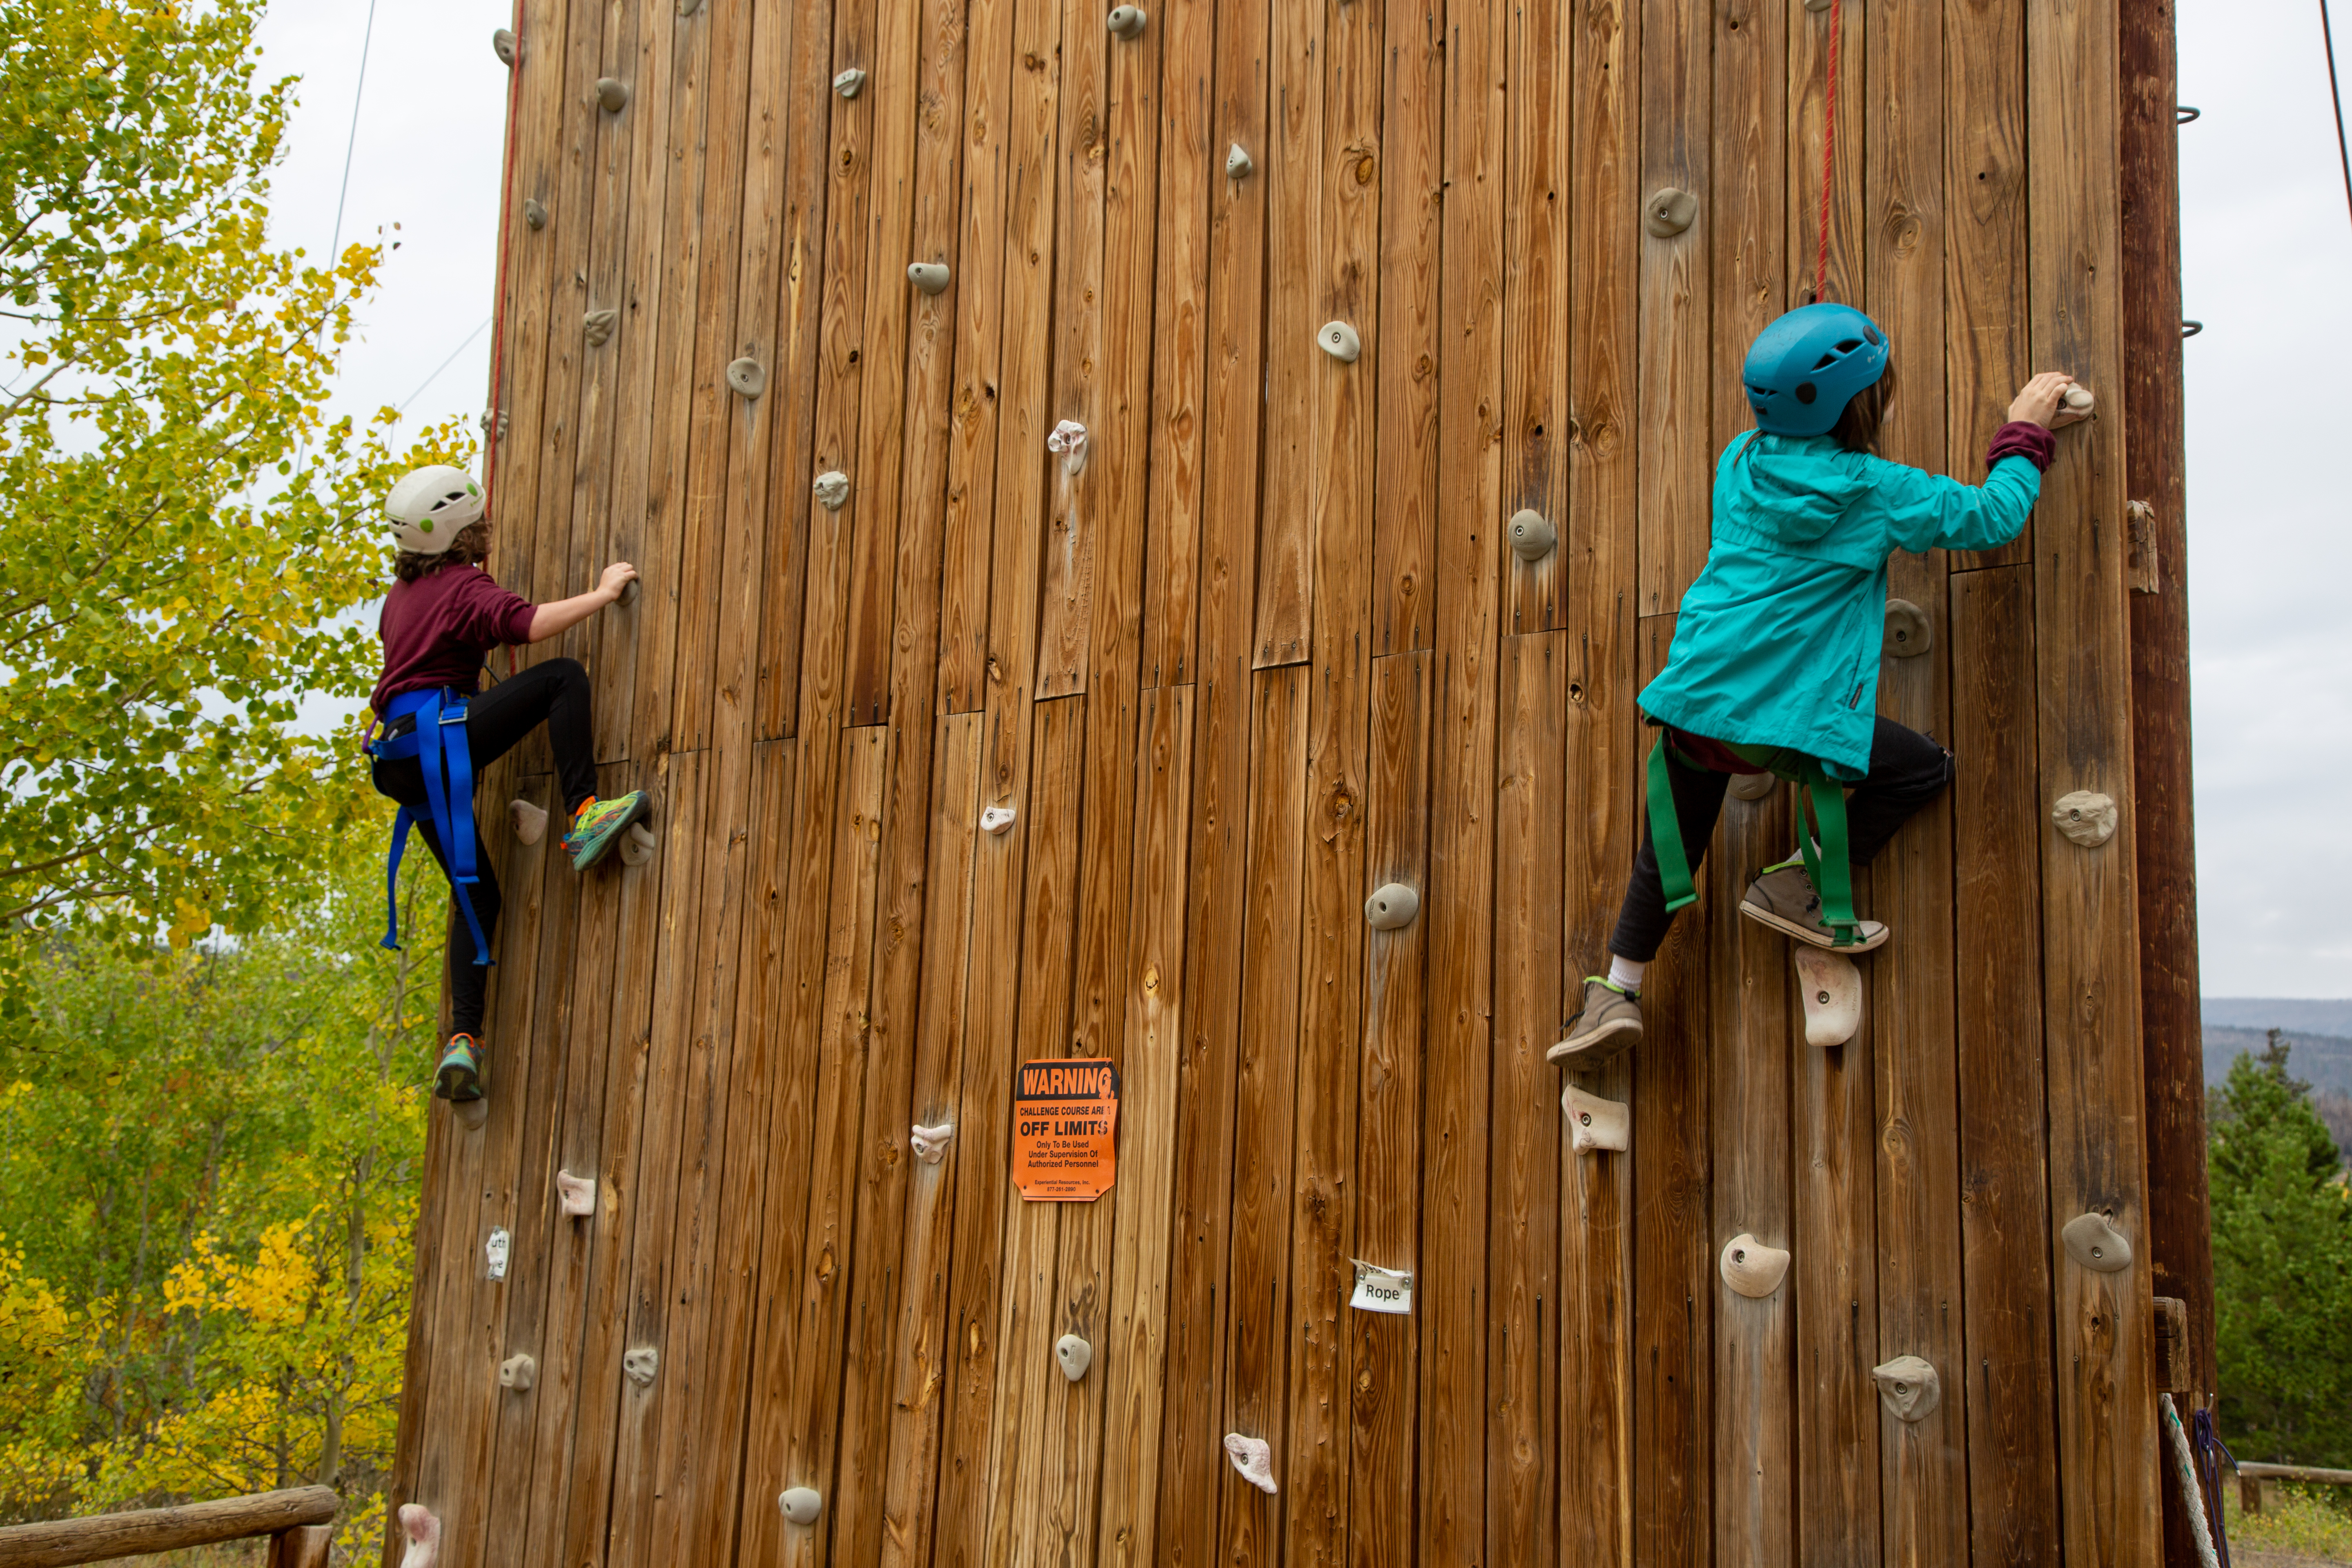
[1775, 659]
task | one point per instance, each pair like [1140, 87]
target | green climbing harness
[1826, 858]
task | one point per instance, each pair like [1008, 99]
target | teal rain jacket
[1777, 642]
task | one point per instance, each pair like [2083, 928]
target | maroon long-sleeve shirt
[437, 629]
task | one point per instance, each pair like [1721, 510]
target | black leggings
[555, 692]
[1907, 769]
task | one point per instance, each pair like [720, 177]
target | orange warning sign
[1064, 1126]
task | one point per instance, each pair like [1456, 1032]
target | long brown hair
[1857, 428]
[470, 548]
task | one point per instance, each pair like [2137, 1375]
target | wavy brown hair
[1857, 428]
[470, 548]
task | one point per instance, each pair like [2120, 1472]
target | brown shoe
[1782, 897]
[1609, 1023]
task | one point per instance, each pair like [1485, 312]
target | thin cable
[445, 364]
[351, 144]
[1829, 149]
[494, 416]
[2335, 93]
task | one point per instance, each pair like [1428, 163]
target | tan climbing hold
[831, 489]
[748, 376]
[641, 1363]
[801, 1505]
[503, 43]
[1532, 536]
[1753, 786]
[1908, 632]
[1668, 212]
[1238, 162]
[1595, 1124]
[1339, 340]
[1831, 989]
[1391, 907]
[2085, 817]
[1253, 1459]
[575, 1195]
[598, 326]
[930, 277]
[2097, 1244]
[2079, 400]
[1908, 1388]
[516, 1371]
[637, 845]
[422, 1530]
[530, 821]
[1126, 21]
[849, 81]
[1751, 1267]
[1074, 1356]
[930, 1142]
[612, 94]
[534, 212]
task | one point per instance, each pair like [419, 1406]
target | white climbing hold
[2095, 1243]
[598, 325]
[534, 212]
[1595, 1124]
[637, 845]
[422, 1530]
[930, 277]
[2085, 817]
[1753, 786]
[2079, 400]
[849, 81]
[930, 1142]
[1127, 21]
[530, 821]
[1751, 1267]
[1832, 988]
[1669, 212]
[516, 1371]
[1908, 633]
[612, 94]
[1075, 1354]
[748, 376]
[1068, 441]
[1253, 1459]
[503, 43]
[1391, 907]
[832, 489]
[1340, 341]
[997, 818]
[641, 1363]
[800, 1504]
[1532, 536]
[575, 1195]
[1908, 1388]
[1238, 162]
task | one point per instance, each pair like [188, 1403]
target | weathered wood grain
[1411, 181]
[1677, 306]
[1298, 374]
[1985, 337]
[1538, 299]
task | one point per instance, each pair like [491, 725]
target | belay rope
[1829, 149]
[1824, 845]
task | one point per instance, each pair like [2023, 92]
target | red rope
[1829, 151]
[506, 240]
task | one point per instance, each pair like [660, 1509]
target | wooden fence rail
[295, 1520]
[2256, 1482]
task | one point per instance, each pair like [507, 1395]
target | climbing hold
[503, 43]
[1594, 1123]
[1816, 5]
[423, 1530]
[1751, 1267]
[1068, 440]
[1075, 1354]
[534, 212]
[1908, 1388]
[575, 1195]
[1254, 1460]
[1669, 212]
[1832, 987]
[996, 819]
[1340, 341]
[1127, 21]
[497, 1247]
[689, 7]
[1532, 537]
[930, 1142]
[1908, 632]
[930, 277]
[598, 326]
[637, 846]
[516, 1371]
[849, 81]
[641, 1363]
[2095, 1243]
[747, 377]
[629, 591]
[530, 821]
[1238, 162]
[1392, 906]
[471, 1113]
[2182, 113]
[2189, 329]
[800, 1504]
[2079, 401]
[832, 488]
[2085, 817]
[612, 93]
[1753, 786]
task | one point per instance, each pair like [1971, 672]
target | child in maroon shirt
[442, 617]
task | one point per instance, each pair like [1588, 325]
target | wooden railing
[295, 1520]
[2258, 1484]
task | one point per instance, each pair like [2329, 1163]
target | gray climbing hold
[1751, 1267]
[2095, 1243]
[637, 845]
[1594, 1123]
[612, 93]
[516, 1371]
[1238, 162]
[1532, 536]
[1754, 786]
[1340, 341]
[629, 591]
[800, 1504]
[641, 1363]
[2078, 399]
[689, 7]
[1908, 632]
[1832, 988]
[930, 277]
[2085, 817]
[1908, 1388]
[1391, 907]
[534, 212]
[599, 325]
[1668, 212]
[1816, 5]
[747, 377]
[530, 821]
[1075, 1354]
[849, 81]
[503, 43]
[832, 489]
[1127, 21]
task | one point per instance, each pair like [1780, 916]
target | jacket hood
[1795, 489]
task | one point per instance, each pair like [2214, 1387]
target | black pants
[1907, 769]
[555, 693]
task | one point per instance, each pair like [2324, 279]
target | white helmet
[431, 506]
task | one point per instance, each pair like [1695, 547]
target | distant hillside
[2323, 1061]
[2300, 1015]
[2319, 1049]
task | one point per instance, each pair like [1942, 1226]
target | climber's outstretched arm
[561, 614]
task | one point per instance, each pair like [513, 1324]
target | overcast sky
[2267, 253]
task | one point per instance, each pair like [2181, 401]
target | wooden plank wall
[1263, 649]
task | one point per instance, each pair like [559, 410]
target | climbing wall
[1268, 640]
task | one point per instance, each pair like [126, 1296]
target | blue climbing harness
[436, 739]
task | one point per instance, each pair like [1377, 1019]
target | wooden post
[304, 1546]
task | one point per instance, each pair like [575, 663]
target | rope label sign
[1065, 1129]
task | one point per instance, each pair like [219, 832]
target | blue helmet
[1805, 368]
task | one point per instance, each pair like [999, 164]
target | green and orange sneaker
[598, 823]
[459, 1077]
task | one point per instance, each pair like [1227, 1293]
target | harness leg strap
[1829, 867]
[1667, 833]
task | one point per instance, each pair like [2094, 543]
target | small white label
[494, 1254]
[1381, 1290]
